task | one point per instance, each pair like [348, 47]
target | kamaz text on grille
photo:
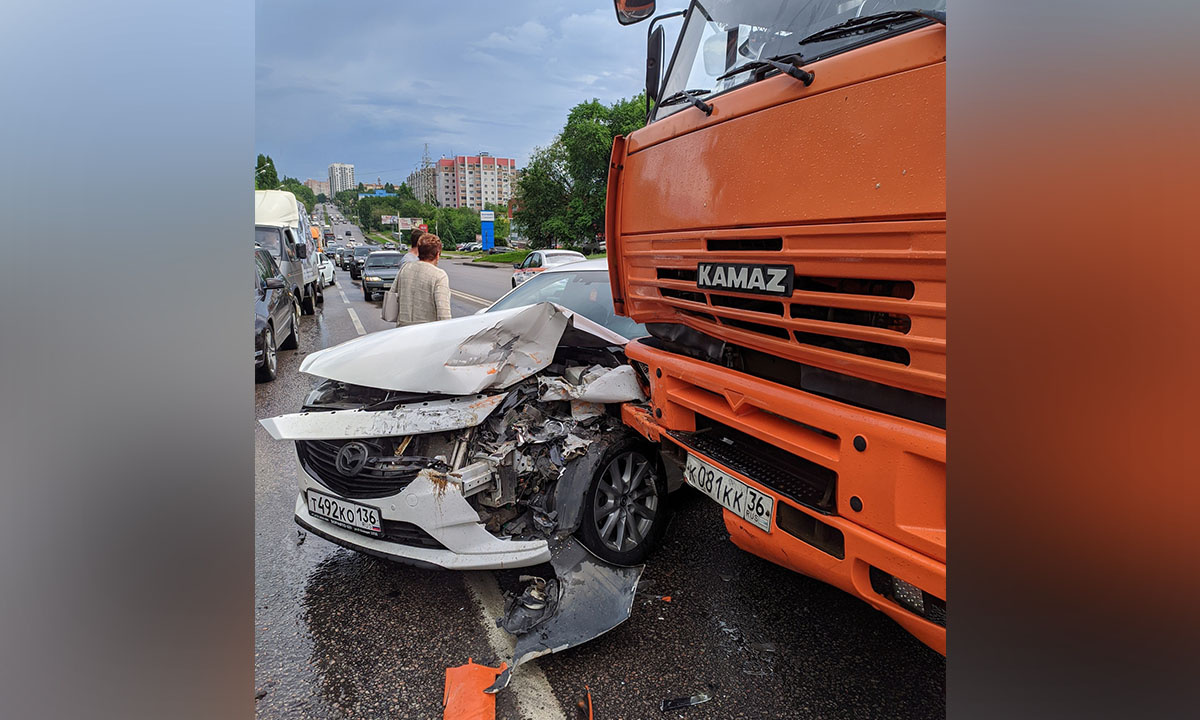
[758, 279]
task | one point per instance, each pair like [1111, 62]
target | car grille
[384, 473]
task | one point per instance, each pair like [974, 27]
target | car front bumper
[377, 285]
[441, 512]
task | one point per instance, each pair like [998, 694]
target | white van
[279, 213]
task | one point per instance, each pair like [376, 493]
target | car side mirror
[275, 283]
[633, 11]
[302, 251]
[517, 266]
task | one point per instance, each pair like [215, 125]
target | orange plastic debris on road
[464, 698]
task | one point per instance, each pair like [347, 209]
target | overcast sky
[370, 82]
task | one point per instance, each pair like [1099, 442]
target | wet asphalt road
[343, 635]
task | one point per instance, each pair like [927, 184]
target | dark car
[379, 271]
[356, 260]
[276, 315]
[497, 249]
[348, 233]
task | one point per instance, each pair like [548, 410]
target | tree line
[452, 225]
[560, 195]
[266, 177]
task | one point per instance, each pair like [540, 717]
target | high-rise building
[472, 180]
[341, 177]
[317, 186]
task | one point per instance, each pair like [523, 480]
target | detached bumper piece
[588, 598]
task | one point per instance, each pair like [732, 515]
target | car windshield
[722, 35]
[387, 261]
[269, 239]
[362, 251]
[587, 293]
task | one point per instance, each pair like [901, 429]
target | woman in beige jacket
[422, 288]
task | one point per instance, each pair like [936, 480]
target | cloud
[371, 83]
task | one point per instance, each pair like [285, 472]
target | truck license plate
[350, 515]
[735, 495]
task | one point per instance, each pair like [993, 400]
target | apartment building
[472, 180]
[318, 186]
[341, 177]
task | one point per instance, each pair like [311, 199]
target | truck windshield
[269, 239]
[719, 36]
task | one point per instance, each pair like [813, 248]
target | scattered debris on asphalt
[678, 703]
[464, 698]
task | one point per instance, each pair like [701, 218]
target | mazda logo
[351, 458]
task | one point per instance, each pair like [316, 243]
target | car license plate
[350, 515]
[735, 495]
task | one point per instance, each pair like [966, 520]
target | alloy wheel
[626, 501]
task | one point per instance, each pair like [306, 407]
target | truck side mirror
[633, 11]
[301, 251]
[654, 54]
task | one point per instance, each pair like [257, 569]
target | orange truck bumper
[889, 510]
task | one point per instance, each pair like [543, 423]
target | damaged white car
[473, 443]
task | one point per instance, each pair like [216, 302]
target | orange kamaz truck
[780, 226]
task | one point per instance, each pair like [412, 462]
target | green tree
[321, 198]
[302, 192]
[265, 176]
[562, 191]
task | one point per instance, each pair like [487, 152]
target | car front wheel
[624, 512]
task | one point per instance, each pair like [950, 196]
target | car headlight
[372, 278]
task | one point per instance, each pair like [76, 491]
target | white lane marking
[471, 298]
[357, 323]
[343, 294]
[535, 699]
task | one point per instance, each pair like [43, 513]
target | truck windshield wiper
[783, 63]
[687, 95]
[872, 22]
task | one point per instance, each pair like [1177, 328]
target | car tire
[368, 295]
[627, 499]
[266, 372]
[308, 306]
[293, 338]
[319, 285]
[514, 282]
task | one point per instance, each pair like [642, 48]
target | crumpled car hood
[460, 356]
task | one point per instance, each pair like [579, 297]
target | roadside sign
[423, 227]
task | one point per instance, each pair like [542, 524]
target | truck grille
[868, 299]
[383, 474]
